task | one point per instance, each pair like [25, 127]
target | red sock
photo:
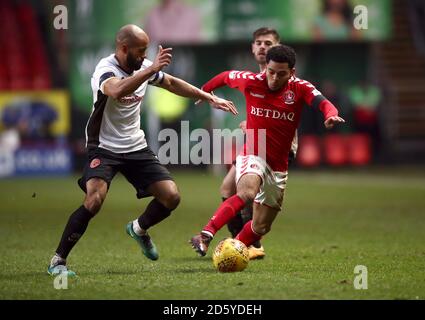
[224, 214]
[247, 235]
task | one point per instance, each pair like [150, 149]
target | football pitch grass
[332, 221]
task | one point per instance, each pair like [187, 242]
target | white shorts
[273, 182]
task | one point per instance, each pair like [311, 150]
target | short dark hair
[281, 53]
[264, 31]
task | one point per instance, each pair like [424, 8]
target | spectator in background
[335, 22]
[365, 99]
[417, 22]
[33, 120]
[173, 21]
[330, 90]
[159, 113]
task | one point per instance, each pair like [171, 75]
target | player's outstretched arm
[118, 88]
[314, 98]
[330, 113]
[185, 89]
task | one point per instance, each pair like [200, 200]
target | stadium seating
[309, 154]
[22, 48]
[359, 149]
[335, 149]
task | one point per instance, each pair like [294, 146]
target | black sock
[155, 212]
[235, 225]
[246, 213]
[74, 229]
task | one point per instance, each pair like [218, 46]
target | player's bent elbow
[116, 94]
[227, 189]
[114, 91]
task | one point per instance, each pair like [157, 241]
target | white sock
[57, 260]
[137, 230]
[207, 233]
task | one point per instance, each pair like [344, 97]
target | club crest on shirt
[289, 97]
[94, 163]
[254, 166]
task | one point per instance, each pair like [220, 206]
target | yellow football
[230, 255]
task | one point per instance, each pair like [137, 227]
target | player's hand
[332, 121]
[223, 104]
[199, 101]
[242, 125]
[162, 59]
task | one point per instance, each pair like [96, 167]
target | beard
[132, 62]
[261, 59]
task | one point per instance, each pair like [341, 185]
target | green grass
[332, 221]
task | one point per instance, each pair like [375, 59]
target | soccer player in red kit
[274, 101]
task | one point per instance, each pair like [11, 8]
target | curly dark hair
[282, 53]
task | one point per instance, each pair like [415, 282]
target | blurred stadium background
[375, 76]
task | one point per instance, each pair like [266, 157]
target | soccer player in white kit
[115, 142]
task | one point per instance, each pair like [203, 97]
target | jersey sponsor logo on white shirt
[130, 99]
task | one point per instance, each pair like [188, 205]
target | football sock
[137, 229]
[74, 229]
[57, 260]
[155, 212]
[257, 244]
[235, 225]
[248, 236]
[224, 213]
[246, 214]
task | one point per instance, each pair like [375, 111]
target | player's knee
[226, 190]
[94, 201]
[247, 195]
[172, 200]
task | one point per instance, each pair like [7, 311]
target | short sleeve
[102, 79]
[101, 75]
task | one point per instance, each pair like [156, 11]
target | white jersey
[114, 124]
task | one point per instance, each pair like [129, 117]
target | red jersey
[278, 112]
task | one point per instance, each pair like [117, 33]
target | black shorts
[141, 168]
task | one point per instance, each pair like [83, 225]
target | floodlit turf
[333, 221]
